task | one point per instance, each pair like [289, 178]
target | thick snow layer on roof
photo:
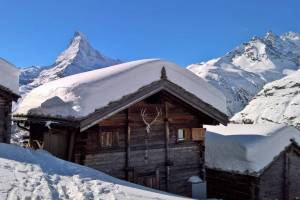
[80, 94]
[29, 174]
[246, 148]
[9, 76]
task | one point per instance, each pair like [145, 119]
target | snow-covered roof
[30, 174]
[9, 76]
[246, 148]
[81, 94]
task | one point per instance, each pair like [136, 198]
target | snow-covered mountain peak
[79, 56]
[79, 53]
[291, 36]
[243, 71]
[271, 36]
[79, 41]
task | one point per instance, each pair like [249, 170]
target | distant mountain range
[242, 72]
[78, 57]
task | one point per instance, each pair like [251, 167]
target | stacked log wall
[279, 180]
[182, 161]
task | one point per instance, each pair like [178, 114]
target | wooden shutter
[187, 134]
[115, 139]
[198, 134]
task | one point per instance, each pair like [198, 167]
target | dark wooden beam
[127, 144]
[167, 141]
[71, 144]
[286, 183]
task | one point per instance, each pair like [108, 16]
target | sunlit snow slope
[278, 102]
[242, 72]
[28, 174]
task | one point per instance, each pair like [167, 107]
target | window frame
[108, 139]
[190, 134]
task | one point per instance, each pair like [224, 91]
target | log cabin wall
[121, 146]
[272, 181]
[230, 186]
[5, 119]
[280, 180]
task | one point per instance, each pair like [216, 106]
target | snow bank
[246, 148]
[28, 174]
[81, 94]
[9, 76]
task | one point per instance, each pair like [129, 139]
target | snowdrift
[29, 174]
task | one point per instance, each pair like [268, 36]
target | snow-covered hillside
[242, 72]
[28, 74]
[29, 174]
[278, 102]
[78, 57]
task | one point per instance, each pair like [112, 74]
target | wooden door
[149, 179]
[56, 142]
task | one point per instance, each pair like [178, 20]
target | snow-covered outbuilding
[9, 84]
[246, 161]
[141, 121]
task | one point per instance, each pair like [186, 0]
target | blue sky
[34, 32]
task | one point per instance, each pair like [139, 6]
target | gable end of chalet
[162, 85]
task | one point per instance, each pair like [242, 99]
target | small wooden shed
[264, 166]
[140, 121]
[9, 82]
[6, 99]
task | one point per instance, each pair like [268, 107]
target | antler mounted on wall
[144, 115]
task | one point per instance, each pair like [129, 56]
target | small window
[180, 134]
[191, 134]
[183, 134]
[109, 139]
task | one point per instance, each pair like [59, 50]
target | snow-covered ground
[79, 95]
[9, 76]
[28, 174]
[242, 72]
[246, 148]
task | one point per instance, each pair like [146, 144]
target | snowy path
[27, 174]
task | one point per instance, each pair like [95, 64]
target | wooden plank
[71, 145]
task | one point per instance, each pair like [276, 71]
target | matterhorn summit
[78, 57]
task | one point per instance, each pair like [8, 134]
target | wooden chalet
[153, 136]
[275, 179]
